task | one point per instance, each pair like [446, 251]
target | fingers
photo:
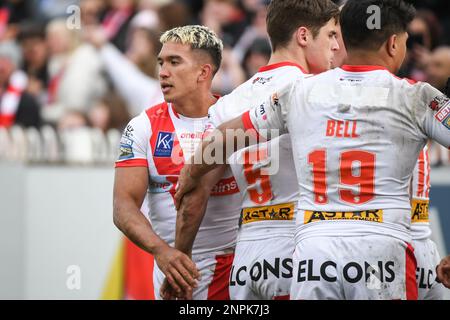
[179, 270]
[181, 283]
[443, 273]
[188, 296]
[188, 271]
[166, 292]
[192, 269]
[173, 283]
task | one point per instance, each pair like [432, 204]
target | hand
[185, 184]
[443, 272]
[180, 271]
[168, 293]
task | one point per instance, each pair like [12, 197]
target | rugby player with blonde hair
[153, 148]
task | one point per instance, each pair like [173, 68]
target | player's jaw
[179, 88]
[321, 50]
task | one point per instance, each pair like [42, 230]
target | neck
[291, 55]
[196, 105]
[361, 57]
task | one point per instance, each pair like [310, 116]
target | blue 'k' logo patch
[164, 145]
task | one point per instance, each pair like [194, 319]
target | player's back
[268, 187]
[356, 147]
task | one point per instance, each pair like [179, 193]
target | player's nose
[335, 45]
[163, 72]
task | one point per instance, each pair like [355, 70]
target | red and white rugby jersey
[356, 134]
[420, 197]
[162, 140]
[267, 200]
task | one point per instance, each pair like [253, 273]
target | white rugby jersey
[162, 140]
[420, 197]
[356, 134]
[268, 201]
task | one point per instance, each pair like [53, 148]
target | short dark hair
[395, 15]
[284, 17]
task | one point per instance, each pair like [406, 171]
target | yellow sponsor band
[284, 211]
[366, 215]
[419, 210]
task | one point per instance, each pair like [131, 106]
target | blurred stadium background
[72, 73]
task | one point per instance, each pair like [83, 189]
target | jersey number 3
[356, 168]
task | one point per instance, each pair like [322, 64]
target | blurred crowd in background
[68, 64]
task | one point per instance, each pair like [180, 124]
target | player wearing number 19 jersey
[354, 150]
[262, 267]
[425, 249]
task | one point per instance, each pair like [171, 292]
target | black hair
[362, 30]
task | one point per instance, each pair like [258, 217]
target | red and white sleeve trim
[132, 163]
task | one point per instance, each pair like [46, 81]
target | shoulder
[156, 110]
[141, 125]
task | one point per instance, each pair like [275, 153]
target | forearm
[129, 219]
[192, 210]
[187, 225]
[218, 147]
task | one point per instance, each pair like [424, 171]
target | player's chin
[169, 97]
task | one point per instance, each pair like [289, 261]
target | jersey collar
[281, 64]
[361, 68]
[175, 113]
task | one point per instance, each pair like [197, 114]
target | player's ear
[206, 72]
[301, 36]
[392, 45]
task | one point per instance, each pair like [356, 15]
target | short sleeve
[134, 143]
[271, 114]
[433, 114]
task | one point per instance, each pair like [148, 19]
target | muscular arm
[225, 141]
[130, 187]
[192, 209]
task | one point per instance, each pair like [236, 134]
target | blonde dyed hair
[199, 38]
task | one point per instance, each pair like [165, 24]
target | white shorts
[373, 267]
[427, 258]
[262, 269]
[215, 275]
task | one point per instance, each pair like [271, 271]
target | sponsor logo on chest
[164, 145]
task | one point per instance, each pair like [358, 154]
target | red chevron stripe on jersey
[161, 122]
